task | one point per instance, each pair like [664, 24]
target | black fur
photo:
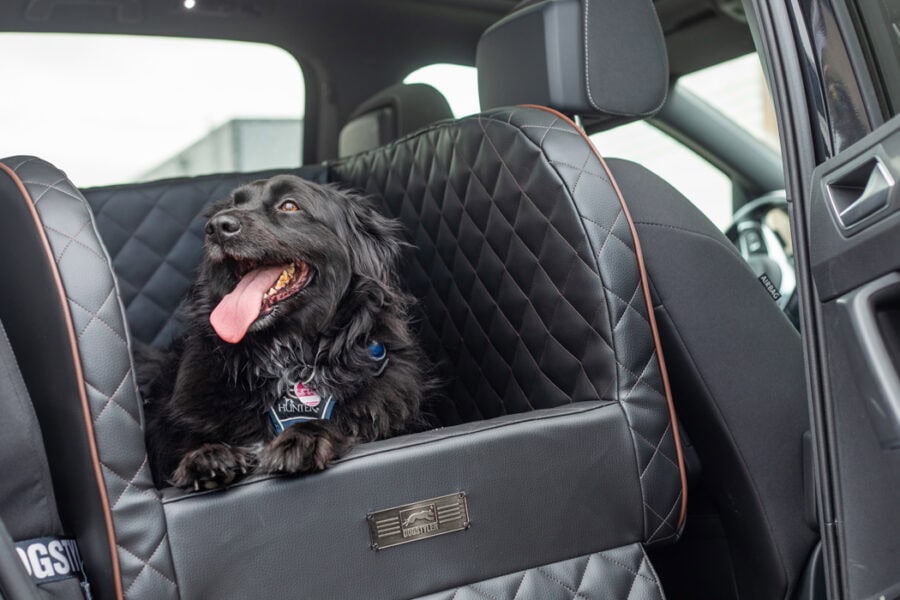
[206, 399]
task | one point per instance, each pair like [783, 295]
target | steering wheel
[767, 252]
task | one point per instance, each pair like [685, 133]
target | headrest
[390, 114]
[604, 59]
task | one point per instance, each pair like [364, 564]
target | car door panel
[855, 264]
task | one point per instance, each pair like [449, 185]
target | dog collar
[303, 404]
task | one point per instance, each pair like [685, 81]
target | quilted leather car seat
[561, 448]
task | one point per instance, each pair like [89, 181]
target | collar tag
[300, 405]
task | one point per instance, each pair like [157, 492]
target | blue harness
[303, 404]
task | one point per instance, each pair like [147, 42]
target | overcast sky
[106, 108]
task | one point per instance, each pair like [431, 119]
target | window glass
[458, 84]
[737, 88]
[115, 109]
[880, 31]
[698, 180]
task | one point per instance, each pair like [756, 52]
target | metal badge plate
[418, 521]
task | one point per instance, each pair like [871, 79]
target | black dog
[296, 345]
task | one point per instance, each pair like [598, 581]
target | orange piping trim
[646, 287]
[79, 375]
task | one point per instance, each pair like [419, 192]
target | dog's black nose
[223, 226]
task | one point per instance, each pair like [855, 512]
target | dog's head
[287, 251]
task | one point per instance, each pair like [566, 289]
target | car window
[458, 84]
[117, 109]
[737, 88]
[879, 28]
[696, 178]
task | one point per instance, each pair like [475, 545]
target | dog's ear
[376, 248]
[377, 299]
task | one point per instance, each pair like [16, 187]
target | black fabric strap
[48, 559]
[27, 502]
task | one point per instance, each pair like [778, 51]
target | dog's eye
[288, 206]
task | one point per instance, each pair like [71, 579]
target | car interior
[624, 408]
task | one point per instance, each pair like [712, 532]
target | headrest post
[578, 122]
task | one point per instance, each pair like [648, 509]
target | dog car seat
[565, 461]
[390, 114]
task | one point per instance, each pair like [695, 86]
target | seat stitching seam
[621, 565]
[95, 315]
[67, 236]
[109, 401]
[711, 238]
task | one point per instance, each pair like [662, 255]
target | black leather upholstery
[737, 379]
[154, 235]
[619, 573]
[27, 499]
[517, 471]
[526, 270]
[600, 58]
[67, 327]
[391, 114]
[530, 280]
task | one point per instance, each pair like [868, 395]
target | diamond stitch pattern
[618, 574]
[99, 323]
[526, 271]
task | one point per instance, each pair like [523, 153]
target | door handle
[873, 317]
[861, 193]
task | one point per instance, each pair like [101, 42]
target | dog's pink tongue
[237, 311]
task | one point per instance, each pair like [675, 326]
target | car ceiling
[419, 31]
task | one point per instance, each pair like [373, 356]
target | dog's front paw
[211, 466]
[302, 448]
